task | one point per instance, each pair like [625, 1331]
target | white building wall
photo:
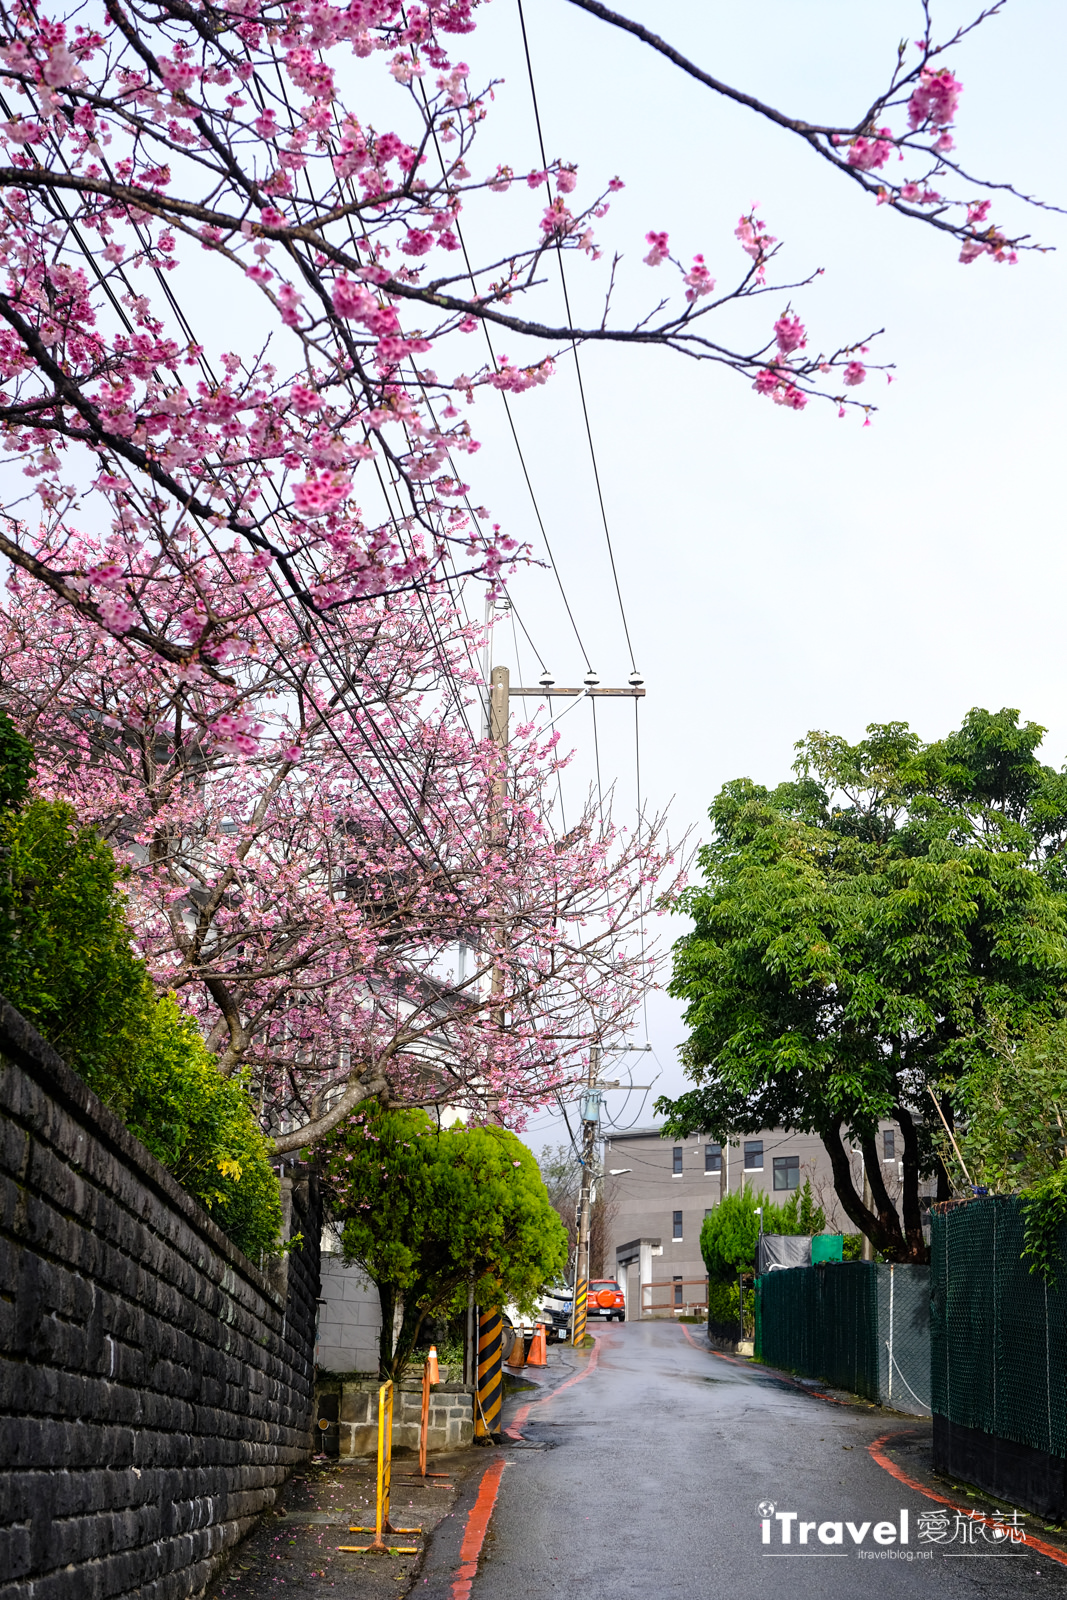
[350, 1319]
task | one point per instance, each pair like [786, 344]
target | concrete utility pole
[590, 1108]
[499, 712]
[866, 1248]
[500, 692]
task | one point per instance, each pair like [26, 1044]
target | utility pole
[499, 713]
[590, 1109]
[590, 1114]
[500, 692]
[866, 1248]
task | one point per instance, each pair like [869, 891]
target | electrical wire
[574, 350]
[511, 420]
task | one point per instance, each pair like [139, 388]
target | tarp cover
[784, 1250]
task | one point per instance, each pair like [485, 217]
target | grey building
[657, 1205]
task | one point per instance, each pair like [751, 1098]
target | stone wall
[155, 1387]
[354, 1412]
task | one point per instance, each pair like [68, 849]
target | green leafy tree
[429, 1213]
[1011, 1133]
[68, 965]
[858, 934]
[729, 1235]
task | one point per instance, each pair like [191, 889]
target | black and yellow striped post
[490, 1384]
[581, 1298]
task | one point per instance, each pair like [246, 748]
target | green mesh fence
[998, 1334]
[857, 1325]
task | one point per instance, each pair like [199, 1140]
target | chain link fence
[999, 1333]
[857, 1325]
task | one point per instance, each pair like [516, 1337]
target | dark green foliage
[805, 1215]
[16, 765]
[724, 1302]
[861, 932]
[1012, 1136]
[431, 1213]
[67, 963]
[729, 1235]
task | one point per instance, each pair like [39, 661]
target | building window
[710, 1211]
[787, 1172]
[677, 1291]
[677, 1225]
[677, 1160]
[753, 1155]
[713, 1158]
[889, 1145]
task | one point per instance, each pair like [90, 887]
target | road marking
[878, 1455]
[477, 1527]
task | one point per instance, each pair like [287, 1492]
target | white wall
[349, 1319]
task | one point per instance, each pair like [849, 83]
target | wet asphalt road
[656, 1460]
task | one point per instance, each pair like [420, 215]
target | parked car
[557, 1303]
[606, 1299]
[554, 1310]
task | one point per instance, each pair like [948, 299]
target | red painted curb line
[476, 1530]
[518, 1421]
[482, 1509]
[878, 1455]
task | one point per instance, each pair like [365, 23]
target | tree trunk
[913, 1228]
[387, 1301]
[883, 1229]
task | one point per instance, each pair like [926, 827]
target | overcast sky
[782, 572]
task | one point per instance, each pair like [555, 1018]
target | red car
[606, 1299]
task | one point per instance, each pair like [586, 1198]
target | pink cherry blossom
[659, 250]
[867, 154]
[855, 373]
[934, 99]
[790, 334]
[698, 280]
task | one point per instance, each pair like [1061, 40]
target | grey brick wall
[155, 1387]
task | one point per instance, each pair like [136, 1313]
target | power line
[511, 421]
[574, 351]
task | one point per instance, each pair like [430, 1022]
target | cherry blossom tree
[316, 162]
[306, 889]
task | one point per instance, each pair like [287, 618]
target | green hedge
[67, 963]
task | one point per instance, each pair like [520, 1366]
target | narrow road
[665, 1470]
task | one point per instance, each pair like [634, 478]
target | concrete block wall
[155, 1387]
[350, 1320]
[451, 1424]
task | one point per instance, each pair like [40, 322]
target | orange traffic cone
[517, 1353]
[538, 1356]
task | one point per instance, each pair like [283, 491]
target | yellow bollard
[382, 1525]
